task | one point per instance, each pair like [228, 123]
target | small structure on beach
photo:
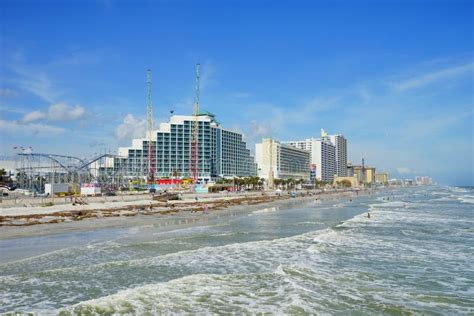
[348, 182]
[90, 189]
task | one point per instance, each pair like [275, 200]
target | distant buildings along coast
[197, 149]
[327, 158]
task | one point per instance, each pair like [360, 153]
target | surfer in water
[368, 214]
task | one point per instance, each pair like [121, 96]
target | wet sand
[183, 213]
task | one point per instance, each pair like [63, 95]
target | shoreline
[183, 213]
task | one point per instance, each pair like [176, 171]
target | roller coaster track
[85, 164]
[81, 162]
[53, 157]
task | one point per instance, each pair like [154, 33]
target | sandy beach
[29, 221]
[286, 256]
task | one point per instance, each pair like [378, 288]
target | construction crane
[149, 127]
[194, 162]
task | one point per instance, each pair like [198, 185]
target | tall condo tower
[149, 127]
[341, 154]
[363, 169]
[194, 161]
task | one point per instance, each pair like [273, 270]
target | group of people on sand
[78, 201]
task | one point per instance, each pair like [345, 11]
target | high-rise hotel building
[277, 160]
[341, 154]
[328, 155]
[322, 155]
[222, 153]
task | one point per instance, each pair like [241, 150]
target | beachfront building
[278, 160]
[350, 182]
[340, 142]
[369, 175]
[364, 174]
[221, 152]
[322, 155]
[423, 180]
[381, 177]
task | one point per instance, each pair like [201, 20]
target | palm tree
[247, 181]
[277, 182]
[301, 181]
[255, 181]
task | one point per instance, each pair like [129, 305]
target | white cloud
[33, 116]
[76, 58]
[22, 129]
[274, 120]
[36, 79]
[426, 79]
[37, 83]
[11, 109]
[429, 125]
[130, 128]
[260, 130]
[257, 131]
[56, 112]
[318, 105]
[64, 112]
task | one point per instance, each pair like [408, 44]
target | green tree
[277, 182]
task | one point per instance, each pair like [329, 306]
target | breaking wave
[410, 256]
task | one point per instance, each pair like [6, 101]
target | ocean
[414, 255]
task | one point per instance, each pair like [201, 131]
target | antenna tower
[194, 163]
[149, 127]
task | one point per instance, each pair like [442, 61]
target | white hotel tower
[328, 154]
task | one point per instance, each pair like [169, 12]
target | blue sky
[395, 77]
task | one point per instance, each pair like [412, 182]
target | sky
[396, 78]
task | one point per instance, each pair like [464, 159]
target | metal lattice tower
[149, 127]
[194, 163]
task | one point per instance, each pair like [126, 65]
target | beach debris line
[156, 206]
